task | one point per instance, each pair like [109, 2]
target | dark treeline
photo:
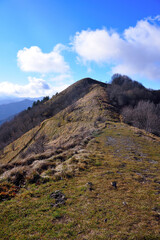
[24, 121]
[139, 106]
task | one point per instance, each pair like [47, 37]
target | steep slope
[82, 174]
[69, 129]
[32, 117]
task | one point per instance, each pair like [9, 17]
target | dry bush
[127, 114]
[21, 175]
[71, 108]
[73, 160]
[37, 147]
[101, 119]
[33, 177]
[16, 175]
[40, 166]
[5, 167]
[69, 118]
[7, 191]
[27, 161]
[82, 166]
[67, 173]
[55, 136]
[59, 124]
[95, 124]
[145, 115]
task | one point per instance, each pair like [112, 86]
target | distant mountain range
[12, 99]
[9, 110]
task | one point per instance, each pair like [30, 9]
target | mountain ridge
[81, 174]
[28, 119]
[9, 110]
[98, 93]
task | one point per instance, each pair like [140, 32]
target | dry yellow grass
[86, 144]
[72, 128]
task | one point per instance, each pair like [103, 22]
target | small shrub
[59, 124]
[68, 118]
[97, 163]
[33, 177]
[73, 160]
[42, 165]
[50, 172]
[17, 175]
[82, 166]
[7, 191]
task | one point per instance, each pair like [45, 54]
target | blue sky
[45, 45]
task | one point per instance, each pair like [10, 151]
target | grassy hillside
[131, 211]
[107, 175]
[44, 109]
[68, 127]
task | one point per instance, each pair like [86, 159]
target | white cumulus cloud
[36, 87]
[135, 52]
[34, 60]
[99, 45]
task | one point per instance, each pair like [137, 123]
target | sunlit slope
[68, 130]
[42, 110]
[118, 153]
[108, 172]
[56, 104]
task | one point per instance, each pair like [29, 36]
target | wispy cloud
[136, 51]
